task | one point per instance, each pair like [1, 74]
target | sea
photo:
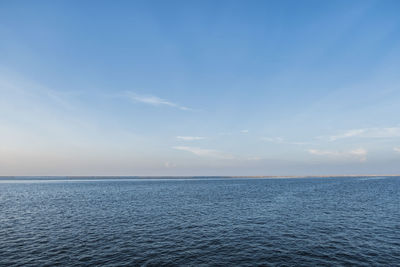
[208, 221]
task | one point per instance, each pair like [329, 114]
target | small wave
[373, 178]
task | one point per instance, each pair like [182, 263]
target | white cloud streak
[212, 153]
[190, 138]
[397, 149]
[359, 154]
[389, 132]
[154, 101]
[280, 140]
[169, 165]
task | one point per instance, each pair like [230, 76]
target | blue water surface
[200, 222]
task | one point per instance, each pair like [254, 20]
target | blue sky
[199, 87]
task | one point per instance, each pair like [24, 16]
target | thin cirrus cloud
[190, 138]
[389, 132]
[281, 140]
[212, 153]
[359, 154]
[169, 165]
[154, 101]
[397, 149]
[215, 154]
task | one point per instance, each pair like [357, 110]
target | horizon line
[196, 176]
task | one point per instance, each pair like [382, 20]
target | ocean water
[200, 222]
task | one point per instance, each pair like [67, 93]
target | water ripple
[285, 222]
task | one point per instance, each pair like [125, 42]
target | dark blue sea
[200, 222]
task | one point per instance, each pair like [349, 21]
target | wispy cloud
[205, 152]
[397, 149]
[347, 134]
[388, 132]
[253, 158]
[278, 140]
[359, 154]
[216, 154]
[190, 138]
[154, 101]
[281, 140]
[244, 131]
[169, 165]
